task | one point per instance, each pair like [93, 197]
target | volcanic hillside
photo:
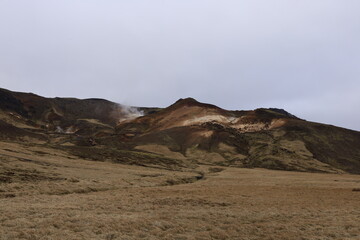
[269, 138]
[181, 136]
[63, 115]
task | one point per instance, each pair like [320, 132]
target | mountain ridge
[185, 134]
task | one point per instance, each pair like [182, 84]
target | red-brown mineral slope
[270, 138]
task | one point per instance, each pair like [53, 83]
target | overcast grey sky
[303, 56]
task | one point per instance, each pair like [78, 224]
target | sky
[302, 56]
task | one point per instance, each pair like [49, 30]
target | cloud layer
[303, 56]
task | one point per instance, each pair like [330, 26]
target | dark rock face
[8, 102]
[283, 112]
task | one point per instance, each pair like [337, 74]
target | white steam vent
[129, 113]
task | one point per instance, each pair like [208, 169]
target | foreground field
[52, 195]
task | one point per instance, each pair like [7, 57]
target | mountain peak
[189, 101]
[186, 100]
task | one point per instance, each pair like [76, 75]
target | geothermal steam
[128, 113]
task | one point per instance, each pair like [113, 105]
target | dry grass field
[49, 194]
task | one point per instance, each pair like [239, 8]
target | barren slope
[270, 138]
[182, 135]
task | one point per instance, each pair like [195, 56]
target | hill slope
[269, 138]
[182, 135]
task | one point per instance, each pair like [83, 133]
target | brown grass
[53, 195]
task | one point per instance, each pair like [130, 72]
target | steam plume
[124, 112]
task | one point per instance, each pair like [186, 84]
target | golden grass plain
[48, 194]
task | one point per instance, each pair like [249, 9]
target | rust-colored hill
[182, 135]
[269, 138]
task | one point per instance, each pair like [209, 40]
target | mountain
[183, 135]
